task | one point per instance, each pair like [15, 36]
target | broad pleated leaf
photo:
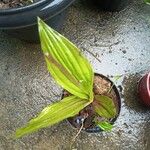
[105, 126]
[65, 63]
[104, 106]
[53, 114]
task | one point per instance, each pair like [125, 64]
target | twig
[93, 55]
[73, 140]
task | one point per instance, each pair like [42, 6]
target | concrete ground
[115, 43]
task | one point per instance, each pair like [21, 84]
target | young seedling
[74, 73]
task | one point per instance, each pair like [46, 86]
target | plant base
[101, 86]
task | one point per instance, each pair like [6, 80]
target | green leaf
[104, 106]
[65, 63]
[105, 126]
[53, 114]
[147, 2]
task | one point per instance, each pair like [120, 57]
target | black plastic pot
[96, 128]
[22, 22]
[110, 5]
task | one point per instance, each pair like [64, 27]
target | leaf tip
[17, 134]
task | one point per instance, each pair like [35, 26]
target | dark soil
[101, 87]
[5, 4]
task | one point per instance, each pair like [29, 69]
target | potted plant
[90, 102]
[18, 17]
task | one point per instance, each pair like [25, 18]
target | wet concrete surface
[115, 44]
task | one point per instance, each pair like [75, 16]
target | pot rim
[97, 129]
[148, 84]
[23, 8]
[26, 16]
[147, 76]
[30, 6]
